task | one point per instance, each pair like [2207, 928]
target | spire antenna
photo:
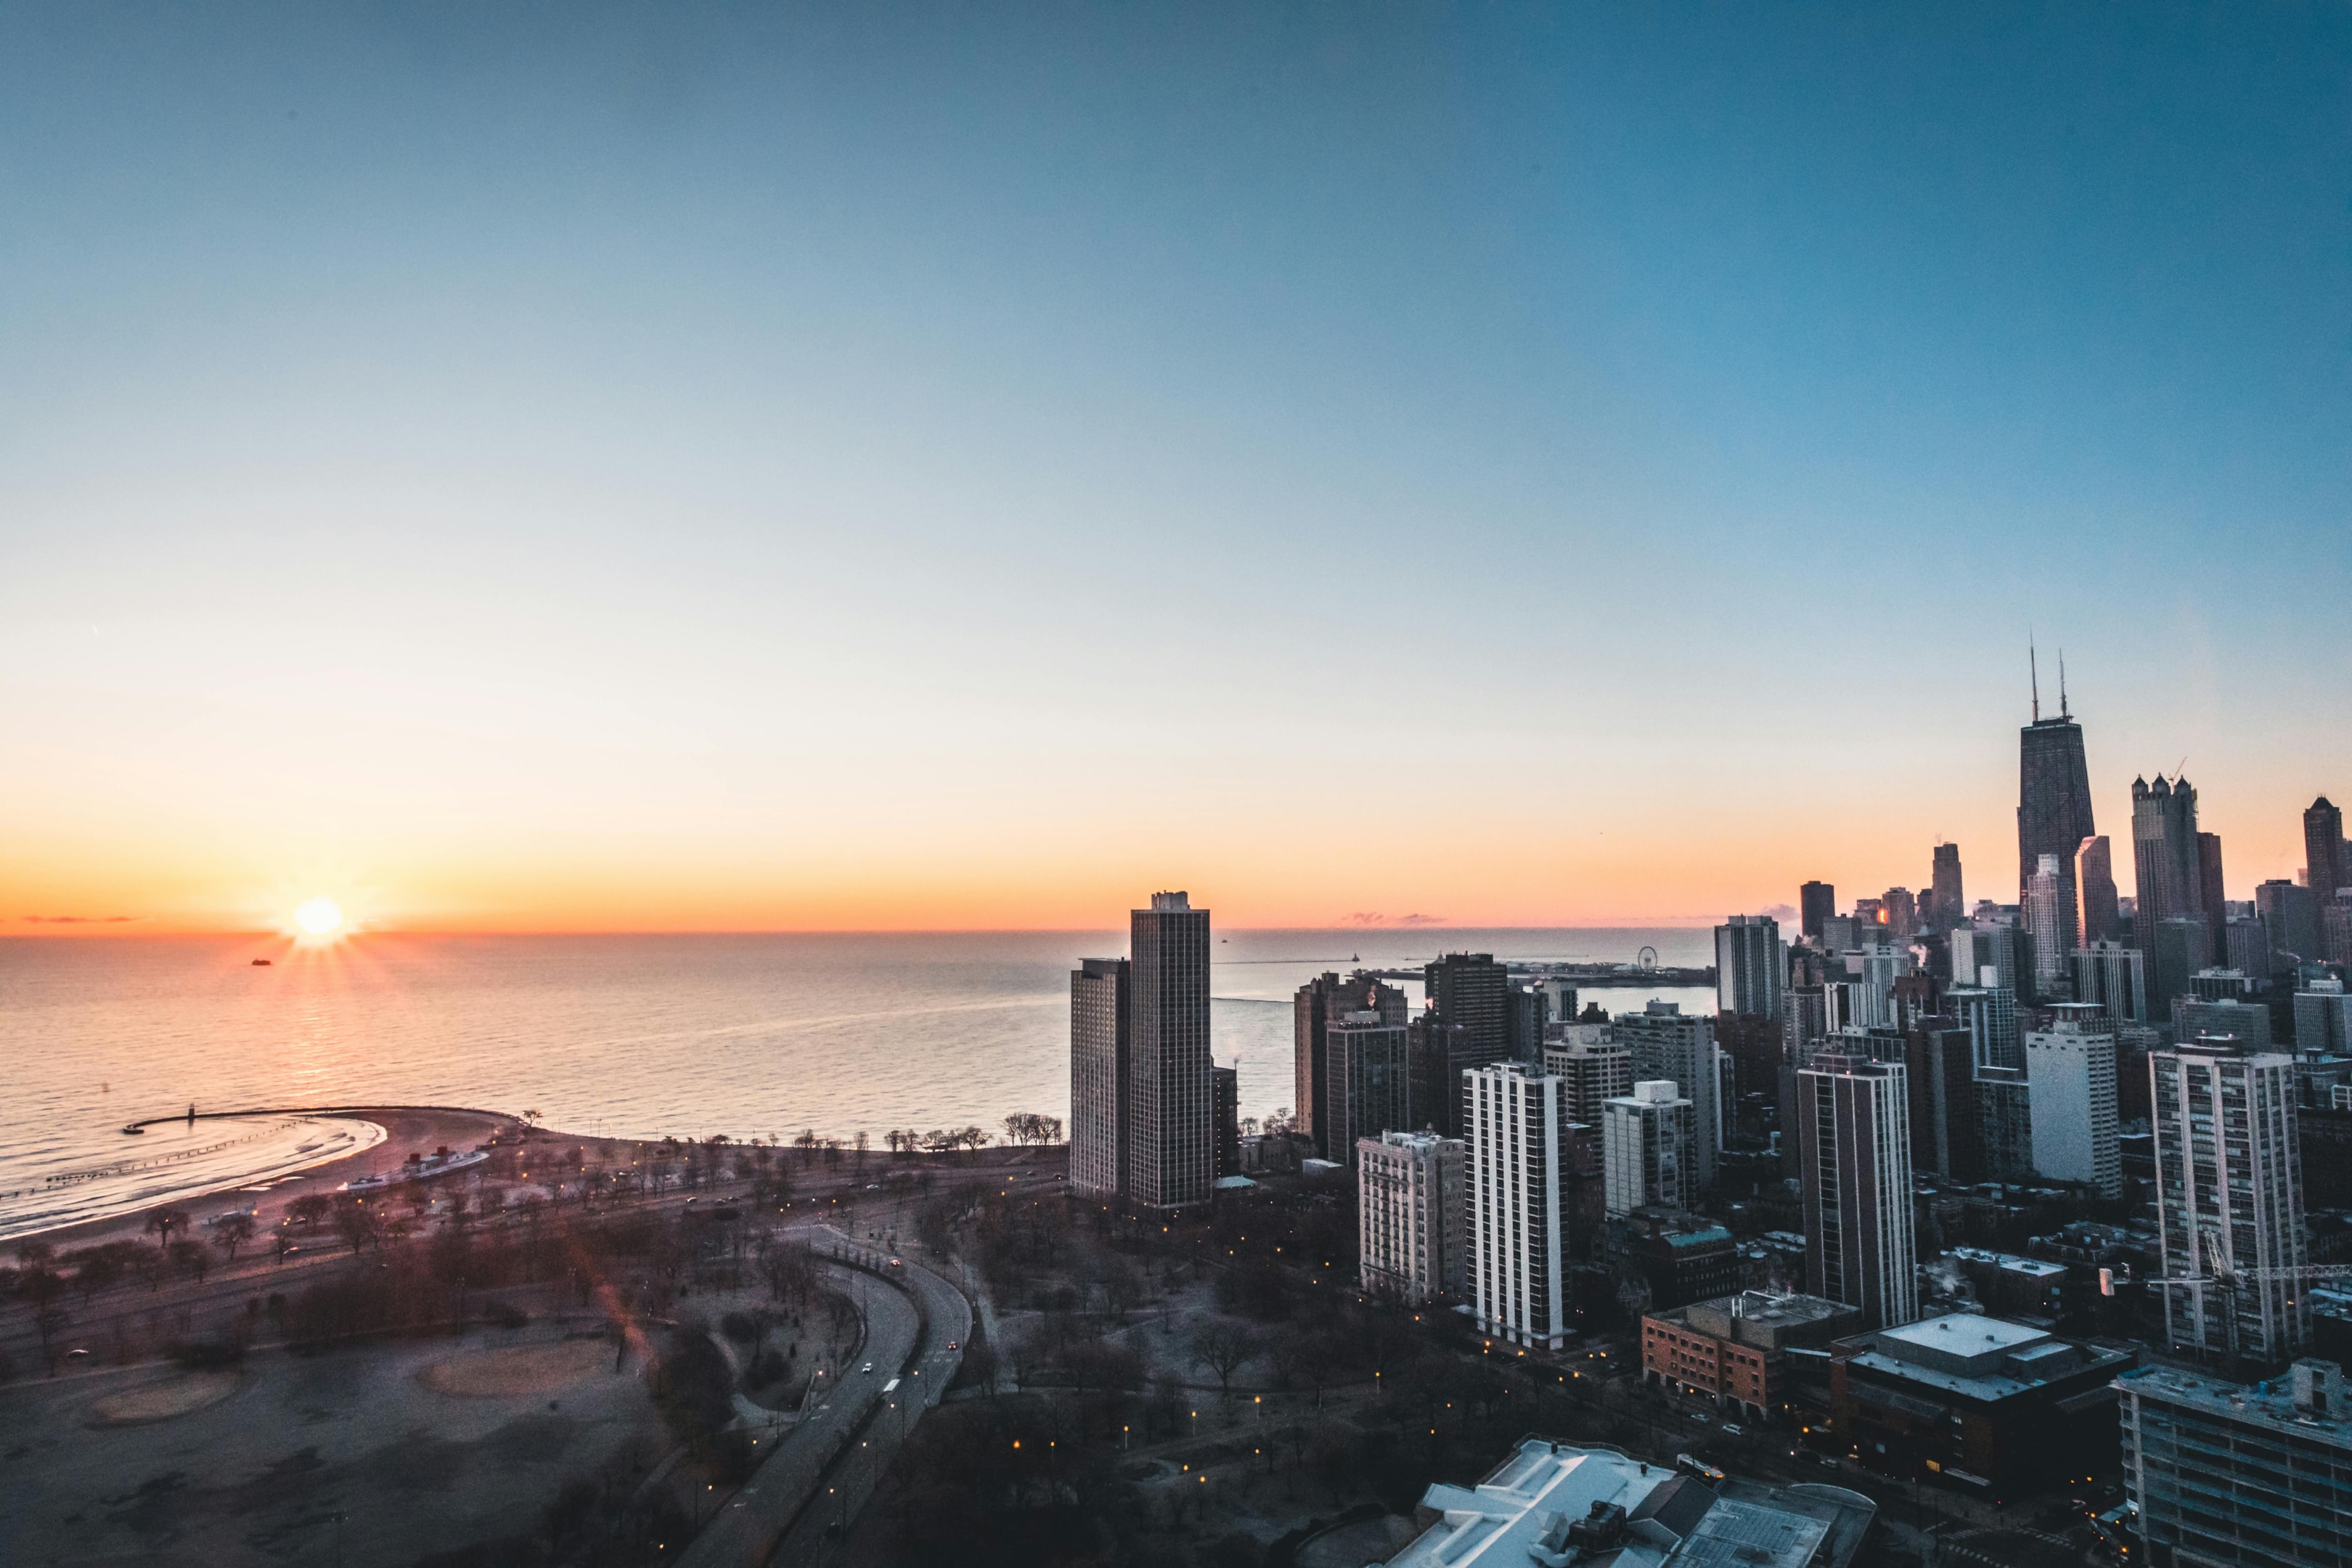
[2034, 672]
[2061, 683]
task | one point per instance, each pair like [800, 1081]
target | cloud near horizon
[81, 919]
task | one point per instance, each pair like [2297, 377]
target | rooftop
[1979, 1357]
[1523, 1511]
[2271, 1403]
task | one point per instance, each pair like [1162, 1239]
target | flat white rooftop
[1965, 1334]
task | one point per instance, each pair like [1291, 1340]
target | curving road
[799, 1499]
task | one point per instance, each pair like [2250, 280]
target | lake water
[638, 1035]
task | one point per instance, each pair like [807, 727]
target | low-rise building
[1409, 1214]
[1683, 1257]
[2221, 1472]
[1553, 1504]
[1734, 1348]
[2007, 1283]
[1997, 1407]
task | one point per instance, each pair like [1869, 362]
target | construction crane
[2227, 1280]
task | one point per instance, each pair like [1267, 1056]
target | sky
[878, 467]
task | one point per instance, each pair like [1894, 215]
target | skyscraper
[1939, 1067]
[1680, 1048]
[2228, 1200]
[2053, 804]
[2069, 1071]
[1594, 1067]
[2175, 951]
[1902, 911]
[1518, 1128]
[2047, 925]
[2114, 977]
[2094, 875]
[2290, 915]
[1320, 1000]
[1817, 901]
[2213, 906]
[1098, 1076]
[1226, 1113]
[2322, 850]
[1170, 1125]
[2164, 854]
[1368, 1088]
[1440, 1053]
[1647, 1141]
[1948, 903]
[1471, 990]
[1751, 963]
[1854, 1141]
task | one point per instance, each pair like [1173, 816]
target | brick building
[1734, 1348]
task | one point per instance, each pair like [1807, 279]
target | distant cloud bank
[81, 919]
[1374, 917]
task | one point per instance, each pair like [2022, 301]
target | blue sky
[903, 466]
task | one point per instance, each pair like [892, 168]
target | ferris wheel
[1646, 961]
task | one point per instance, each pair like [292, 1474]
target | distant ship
[134, 1131]
[261, 963]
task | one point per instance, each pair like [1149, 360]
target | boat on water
[134, 1131]
[261, 963]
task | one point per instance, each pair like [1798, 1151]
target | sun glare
[319, 918]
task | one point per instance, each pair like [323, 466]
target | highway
[799, 1501]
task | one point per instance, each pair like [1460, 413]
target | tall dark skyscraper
[1320, 1003]
[1171, 1111]
[2164, 855]
[1098, 1076]
[1817, 901]
[2054, 806]
[2094, 876]
[2322, 850]
[1474, 991]
[2213, 906]
[1947, 903]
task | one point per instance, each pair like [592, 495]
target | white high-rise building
[1646, 1149]
[1518, 1127]
[2228, 1200]
[1680, 1048]
[2047, 905]
[1853, 1137]
[2070, 1071]
[1409, 1204]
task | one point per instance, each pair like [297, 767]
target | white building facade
[2228, 1202]
[1518, 1127]
[2070, 1072]
[1647, 1149]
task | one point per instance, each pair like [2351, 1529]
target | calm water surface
[751, 1036]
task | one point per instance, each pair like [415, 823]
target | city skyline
[695, 477]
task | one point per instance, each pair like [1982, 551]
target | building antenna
[2034, 672]
[2061, 683]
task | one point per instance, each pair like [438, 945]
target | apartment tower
[1170, 1124]
[1518, 1132]
[1098, 1076]
[1853, 1135]
[2229, 1200]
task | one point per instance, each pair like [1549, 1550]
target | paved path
[802, 1496]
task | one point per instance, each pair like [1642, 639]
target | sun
[319, 918]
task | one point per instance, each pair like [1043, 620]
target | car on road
[868, 1367]
[1733, 1430]
[896, 1264]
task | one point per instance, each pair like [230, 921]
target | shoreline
[403, 1127]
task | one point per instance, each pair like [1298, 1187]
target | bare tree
[235, 1230]
[1224, 1351]
[163, 1223]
